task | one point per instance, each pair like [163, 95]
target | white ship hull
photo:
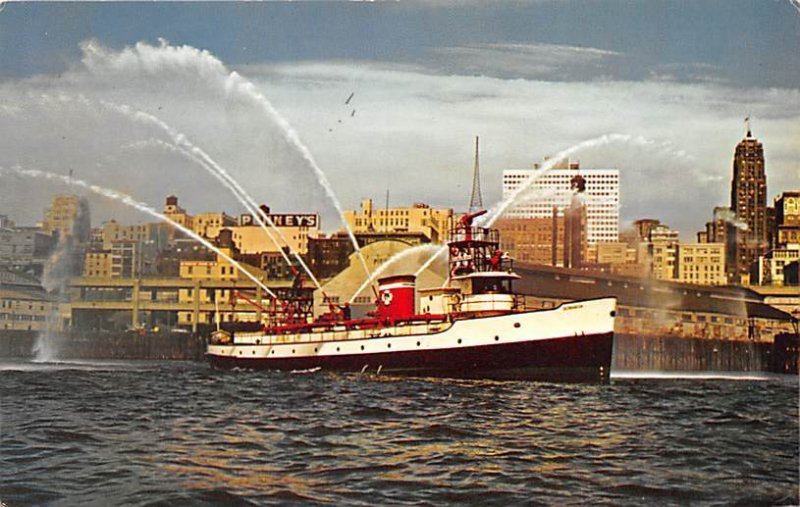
[571, 342]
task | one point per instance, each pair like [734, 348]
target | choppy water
[182, 434]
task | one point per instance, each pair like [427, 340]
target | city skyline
[416, 97]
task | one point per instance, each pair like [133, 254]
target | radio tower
[475, 201]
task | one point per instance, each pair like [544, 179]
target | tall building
[68, 216]
[749, 204]
[553, 188]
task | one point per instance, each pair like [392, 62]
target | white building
[553, 189]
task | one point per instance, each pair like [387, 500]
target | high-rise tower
[749, 203]
[475, 200]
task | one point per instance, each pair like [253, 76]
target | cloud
[412, 131]
[421, 125]
[524, 60]
[687, 73]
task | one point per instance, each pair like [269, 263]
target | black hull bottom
[569, 359]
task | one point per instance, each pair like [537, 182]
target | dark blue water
[182, 434]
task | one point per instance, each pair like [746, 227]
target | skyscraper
[749, 203]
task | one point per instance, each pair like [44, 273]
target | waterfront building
[68, 216]
[117, 304]
[553, 188]
[749, 204]
[24, 304]
[433, 224]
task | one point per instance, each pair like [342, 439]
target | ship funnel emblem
[386, 297]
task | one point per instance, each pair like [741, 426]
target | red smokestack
[396, 297]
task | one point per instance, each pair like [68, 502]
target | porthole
[388, 345]
[254, 352]
[315, 349]
[292, 351]
[362, 347]
[417, 344]
[613, 313]
[240, 352]
[258, 342]
[497, 338]
[273, 352]
[459, 340]
[516, 324]
[337, 349]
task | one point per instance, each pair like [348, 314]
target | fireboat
[473, 327]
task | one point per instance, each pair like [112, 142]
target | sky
[261, 88]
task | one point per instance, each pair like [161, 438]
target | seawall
[633, 352]
[152, 346]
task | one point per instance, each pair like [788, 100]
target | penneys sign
[285, 220]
